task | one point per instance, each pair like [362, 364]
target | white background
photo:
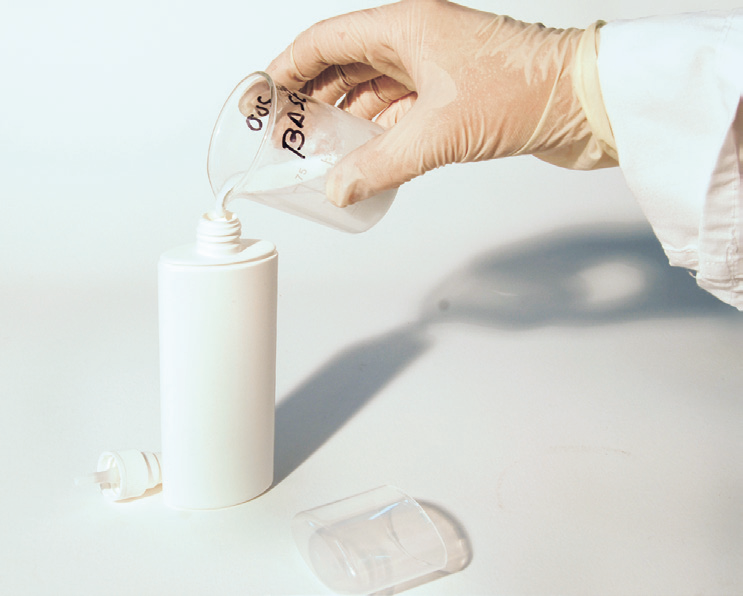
[507, 345]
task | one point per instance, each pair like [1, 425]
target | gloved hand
[449, 83]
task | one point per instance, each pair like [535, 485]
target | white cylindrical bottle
[217, 311]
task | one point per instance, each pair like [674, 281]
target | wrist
[588, 88]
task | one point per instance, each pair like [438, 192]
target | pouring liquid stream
[220, 204]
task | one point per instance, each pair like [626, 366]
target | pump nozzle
[110, 476]
[125, 474]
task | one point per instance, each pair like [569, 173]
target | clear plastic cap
[369, 542]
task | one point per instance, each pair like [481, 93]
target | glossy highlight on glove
[449, 83]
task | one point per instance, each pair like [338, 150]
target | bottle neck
[218, 235]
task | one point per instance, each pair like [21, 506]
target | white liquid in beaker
[299, 189]
[281, 177]
[287, 174]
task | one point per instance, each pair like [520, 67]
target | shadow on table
[577, 277]
[320, 406]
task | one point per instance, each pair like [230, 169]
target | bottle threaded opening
[218, 234]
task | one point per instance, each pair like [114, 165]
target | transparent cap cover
[369, 542]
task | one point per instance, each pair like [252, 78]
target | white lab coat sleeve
[672, 89]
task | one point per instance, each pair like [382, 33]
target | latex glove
[450, 84]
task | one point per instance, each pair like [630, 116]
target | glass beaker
[276, 146]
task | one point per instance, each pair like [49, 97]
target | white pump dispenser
[217, 310]
[125, 474]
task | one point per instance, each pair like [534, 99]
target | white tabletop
[508, 345]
